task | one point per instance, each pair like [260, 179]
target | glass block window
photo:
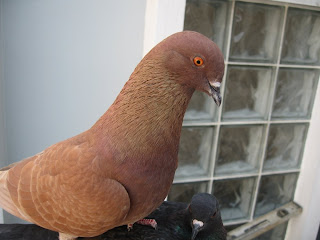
[246, 93]
[255, 32]
[248, 152]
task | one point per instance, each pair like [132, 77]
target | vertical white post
[163, 18]
[307, 193]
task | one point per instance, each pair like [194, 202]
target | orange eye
[198, 61]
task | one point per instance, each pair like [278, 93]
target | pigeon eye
[214, 215]
[198, 61]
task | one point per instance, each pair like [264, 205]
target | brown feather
[121, 169]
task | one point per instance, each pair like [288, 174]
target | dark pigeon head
[205, 215]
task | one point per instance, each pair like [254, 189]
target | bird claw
[145, 222]
[129, 226]
[148, 222]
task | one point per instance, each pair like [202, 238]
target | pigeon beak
[196, 227]
[215, 92]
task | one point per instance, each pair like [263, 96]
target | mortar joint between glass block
[262, 157]
[237, 176]
[213, 157]
[296, 170]
[192, 180]
[275, 77]
[230, 30]
[284, 21]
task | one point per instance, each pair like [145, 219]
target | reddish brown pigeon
[121, 169]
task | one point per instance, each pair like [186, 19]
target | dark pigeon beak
[215, 92]
[196, 227]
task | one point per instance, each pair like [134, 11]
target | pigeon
[199, 220]
[121, 169]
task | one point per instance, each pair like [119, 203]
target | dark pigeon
[199, 220]
[26, 232]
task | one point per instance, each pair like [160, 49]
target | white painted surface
[163, 18]
[308, 190]
[64, 64]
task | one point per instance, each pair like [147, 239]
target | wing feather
[58, 189]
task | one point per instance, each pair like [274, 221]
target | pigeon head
[204, 214]
[195, 60]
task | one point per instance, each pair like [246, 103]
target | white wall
[308, 190]
[63, 64]
[163, 18]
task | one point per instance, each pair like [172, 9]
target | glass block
[183, 192]
[194, 152]
[247, 93]
[275, 191]
[209, 17]
[285, 146]
[256, 32]
[201, 108]
[301, 43]
[277, 233]
[235, 197]
[295, 93]
[240, 149]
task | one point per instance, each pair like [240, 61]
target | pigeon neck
[148, 112]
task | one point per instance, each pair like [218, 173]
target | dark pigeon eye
[214, 215]
[189, 208]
